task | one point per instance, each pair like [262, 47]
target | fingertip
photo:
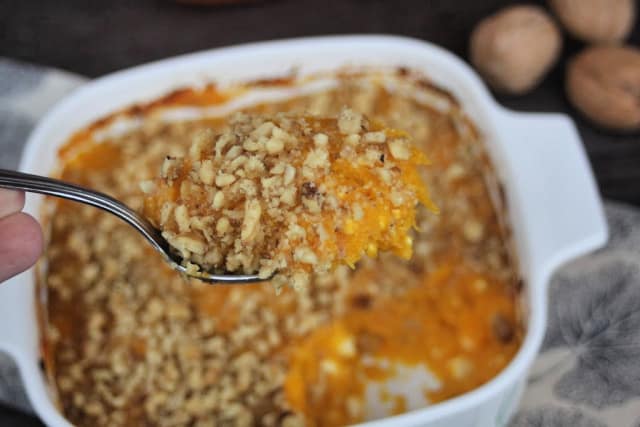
[33, 238]
[21, 244]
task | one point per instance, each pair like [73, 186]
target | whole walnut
[514, 48]
[598, 21]
[603, 82]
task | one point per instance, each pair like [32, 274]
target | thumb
[21, 244]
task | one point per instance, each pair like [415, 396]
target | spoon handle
[52, 187]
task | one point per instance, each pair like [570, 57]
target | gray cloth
[588, 372]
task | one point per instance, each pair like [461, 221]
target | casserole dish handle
[552, 193]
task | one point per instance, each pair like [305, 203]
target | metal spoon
[53, 187]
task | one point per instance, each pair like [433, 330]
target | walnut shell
[514, 48]
[603, 82]
[598, 21]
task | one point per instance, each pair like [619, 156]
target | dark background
[94, 38]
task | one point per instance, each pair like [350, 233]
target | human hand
[21, 240]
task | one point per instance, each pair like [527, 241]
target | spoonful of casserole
[284, 197]
[272, 198]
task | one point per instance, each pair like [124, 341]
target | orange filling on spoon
[292, 195]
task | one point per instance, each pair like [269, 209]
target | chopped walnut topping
[305, 255]
[127, 343]
[399, 149]
[223, 225]
[353, 139]
[169, 168]
[218, 200]
[181, 216]
[277, 175]
[350, 122]
[147, 187]
[251, 223]
[224, 179]
[274, 145]
[375, 137]
[320, 139]
[207, 172]
[289, 174]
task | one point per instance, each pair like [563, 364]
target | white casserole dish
[554, 206]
